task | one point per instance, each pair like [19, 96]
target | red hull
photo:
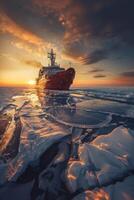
[59, 81]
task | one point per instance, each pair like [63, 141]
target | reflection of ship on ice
[63, 108]
[57, 106]
[53, 101]
[54, 77]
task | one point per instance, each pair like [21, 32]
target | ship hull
[59, 81]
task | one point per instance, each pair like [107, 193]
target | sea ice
[123, 190]
[103, 161]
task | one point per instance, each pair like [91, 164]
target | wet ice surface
[67, 145]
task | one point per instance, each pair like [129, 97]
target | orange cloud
[32, 63]
[66, 55]
[7, 56]
[22, 45]
[7, 25]
[23, 39]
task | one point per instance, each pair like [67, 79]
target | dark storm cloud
[94, 57]
[77, 24]
[75, 49]
[100, 76]
[96, 70]
[129, 74]
[88, 17]
[106, 18]
[100, 21]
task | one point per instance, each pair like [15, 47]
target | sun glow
[31, 82]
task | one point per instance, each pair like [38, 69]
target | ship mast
[52, 57]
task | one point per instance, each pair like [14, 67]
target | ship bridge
[51, 69]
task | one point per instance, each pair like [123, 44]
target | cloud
[34, 18]
[32, 63]
[100, 76]
[51, 6]
[74, 51]
[76, 20]
[78, 51]
[7, 56]
[100, 23]
[30, 48]
[94, 57]
[97, 73]
[129, 74]
[84, 29]
[106, 19]
[9, 26]
[86, 20]
[96, 70]
[20, 44]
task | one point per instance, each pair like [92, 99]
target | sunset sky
[95, 36]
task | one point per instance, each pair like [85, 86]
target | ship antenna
[52, 57]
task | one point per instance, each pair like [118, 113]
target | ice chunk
[121, 190]
[37, 135]
[103, 161]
